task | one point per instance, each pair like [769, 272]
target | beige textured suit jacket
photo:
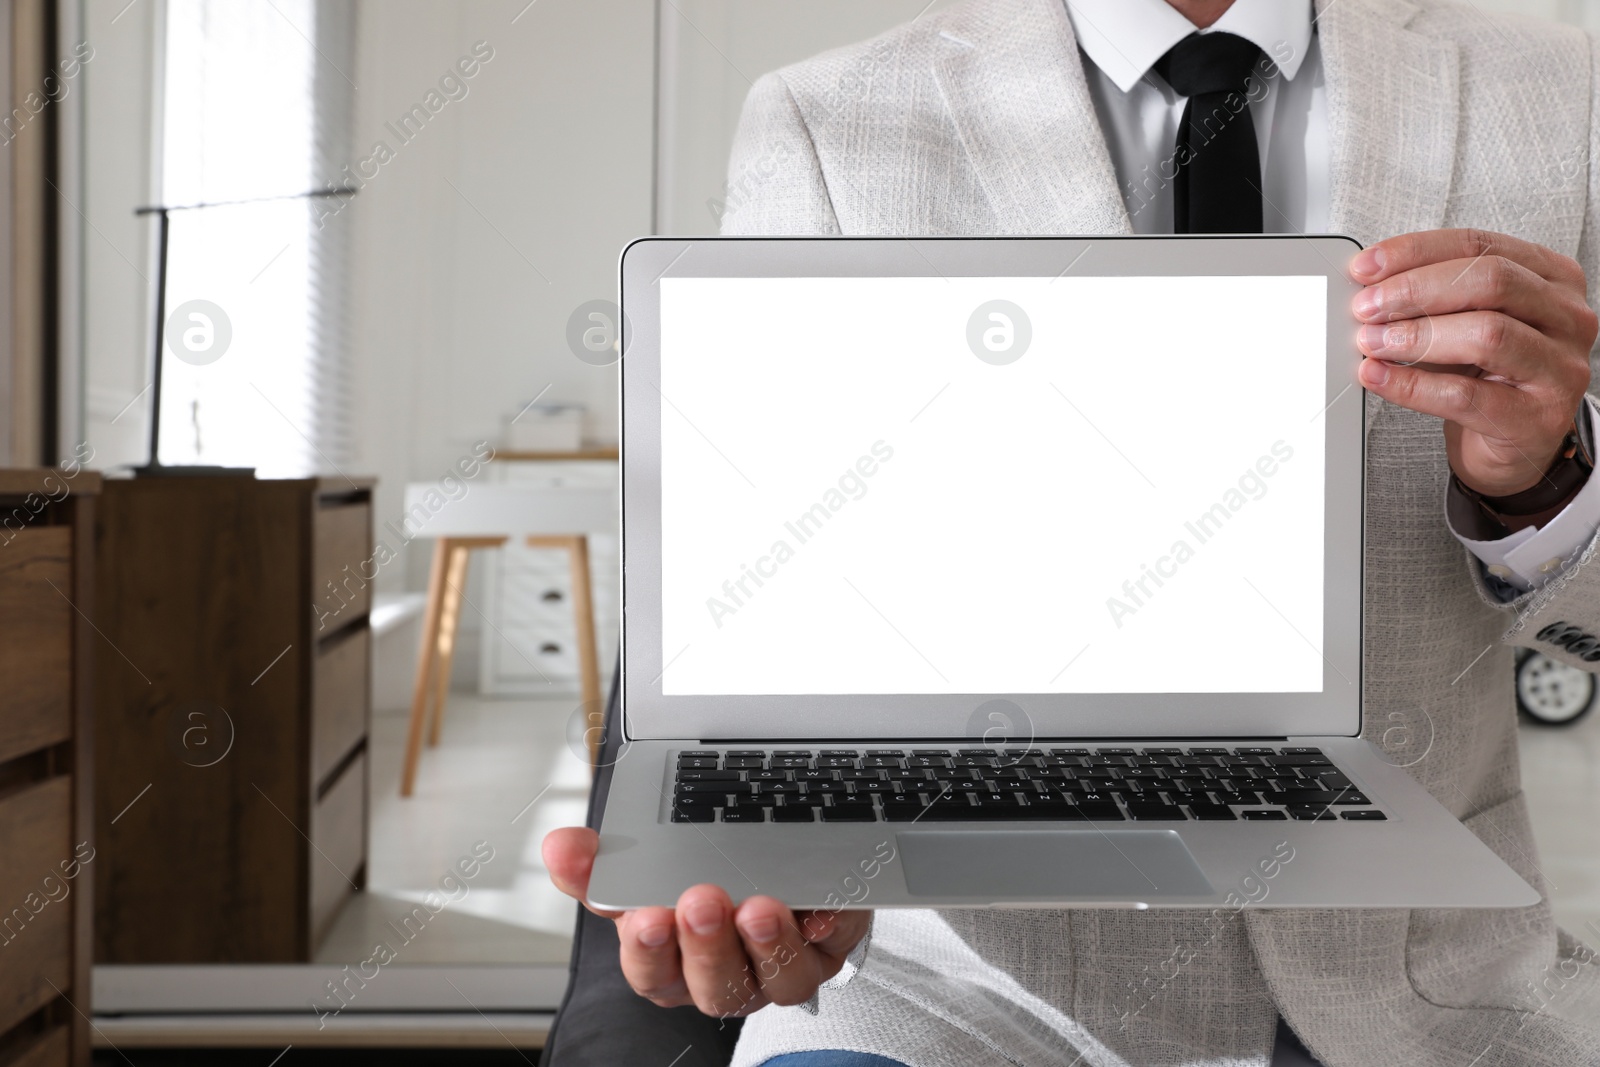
[976, 120]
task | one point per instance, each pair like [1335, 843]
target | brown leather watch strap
[1486, 518]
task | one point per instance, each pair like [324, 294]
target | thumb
[569, 856]
[834, 933]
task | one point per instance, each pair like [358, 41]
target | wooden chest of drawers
[236, 711]
[46, 835]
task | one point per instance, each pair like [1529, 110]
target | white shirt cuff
[1532, 556]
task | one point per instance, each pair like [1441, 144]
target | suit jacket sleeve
[1561, 618]
[775, 183]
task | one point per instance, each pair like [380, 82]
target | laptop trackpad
[1131, 865]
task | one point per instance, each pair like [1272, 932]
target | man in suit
[1470, 136]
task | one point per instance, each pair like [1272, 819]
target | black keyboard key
[760, 776]
[1254, 752]
[709, 776]
[1334, 780]
[803, 753]
[789, 763]
[1369, 815]
[757, 753]
[883, 762]
[793, 813]
[1298, 761]
[1296, 750]
[1208, 752]
[836, 763]
[779, 789]
[745, 813]
[834, 788]
[892, 753]
[848, 753]
[1162, 751]
[1264, 815]
[861, 776]
[1099, 811]
[699, 753]
[742, 763]
[805, 775]
[712, 788]
[1050, 809]
[875, 787]
[695, 810]
[857, 812]
[1312, 813]
[1144, 809]
[1211, 812]
[697, 763]
[1306, 797]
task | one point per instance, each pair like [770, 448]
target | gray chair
[602, 1022]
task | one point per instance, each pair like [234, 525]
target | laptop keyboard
[986, 784]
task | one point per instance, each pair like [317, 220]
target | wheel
[1553, 694]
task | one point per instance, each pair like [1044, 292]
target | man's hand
[725, 960]
[1488, 332]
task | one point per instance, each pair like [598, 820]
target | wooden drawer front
[49, 1049]
[338, 829]
[338, 701]
[36, 926]
[341, 553]
[35, 640]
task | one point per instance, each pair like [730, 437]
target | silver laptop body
[1005, 572]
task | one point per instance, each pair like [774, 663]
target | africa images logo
[999, 332]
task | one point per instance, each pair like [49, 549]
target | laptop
[1005, 572]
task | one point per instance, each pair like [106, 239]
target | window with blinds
[256, 103]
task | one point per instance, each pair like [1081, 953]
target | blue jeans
[1287, 1052]
[831, 1058]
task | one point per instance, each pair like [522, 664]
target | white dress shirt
[1139, 114]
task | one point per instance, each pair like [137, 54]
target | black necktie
[1218, 179]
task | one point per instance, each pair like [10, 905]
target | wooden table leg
[425, 664]
[455, 586]
[577, 548]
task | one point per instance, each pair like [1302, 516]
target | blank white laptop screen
[992, 485]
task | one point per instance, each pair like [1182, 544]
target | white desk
[486, 516]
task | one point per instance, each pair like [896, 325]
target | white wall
[711, 50]
[116, 247]
[475, 244]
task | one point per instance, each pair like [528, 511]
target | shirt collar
[1124, 38]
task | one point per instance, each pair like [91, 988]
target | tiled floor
[494, 758]
[1561, 774]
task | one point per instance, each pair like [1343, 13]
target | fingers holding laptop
[1486, 331]
[725, 959]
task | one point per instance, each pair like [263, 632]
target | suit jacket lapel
[1012, 80]
[1392, 101]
